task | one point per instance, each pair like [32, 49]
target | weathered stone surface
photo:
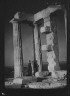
[37, 47]
[52, 46]
[20, 16]
[17, 15]
[45, 30]
[47, 19]
[50, 59]
[42, 29]
[65, 18]
[17, 81]
[42, 74]
[17, 51]
[44, 47]
[43, 85]
[51, 39]
[47, 23]
[46, 12]
[55, 42]
[61, 73]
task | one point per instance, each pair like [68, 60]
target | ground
[33, 82]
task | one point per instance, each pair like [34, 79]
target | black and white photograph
[35, 45]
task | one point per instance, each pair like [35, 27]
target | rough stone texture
[50, 54]
[55, 41]
[42, 74]
[17, 81]
[65, 17]
[47, 48]
[50, 38]
[37, 47]
[20, 16]
[43, 85]
[46, 12]
[17, 51]
[47, 21]
[52, 46]
[44, 47]
[42, 29]
[45, 30]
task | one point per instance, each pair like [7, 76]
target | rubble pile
[50, 82]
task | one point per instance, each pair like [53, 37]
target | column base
[17, 80]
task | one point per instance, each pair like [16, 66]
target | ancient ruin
[49, 28]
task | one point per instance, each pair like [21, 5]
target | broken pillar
[55, 42]
[51, 47]
[50, 30]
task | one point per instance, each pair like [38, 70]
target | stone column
[17, 50]
[51, 46]
[55, 42]
[37, 47]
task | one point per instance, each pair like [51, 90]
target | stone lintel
[20, 16]
[46, 12]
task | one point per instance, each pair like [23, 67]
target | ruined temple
[43, 23]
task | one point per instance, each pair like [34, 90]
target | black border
[31, 92]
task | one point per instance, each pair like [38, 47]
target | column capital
[21, 16]
[13, 21]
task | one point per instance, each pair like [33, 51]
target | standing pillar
[37, 47]
[17, 50]
[52, 51]
[55, 42]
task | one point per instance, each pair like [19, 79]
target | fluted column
[17, 50]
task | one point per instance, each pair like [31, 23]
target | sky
[11, 7]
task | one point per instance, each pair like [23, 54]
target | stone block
[47, 19]
[17, 81]
[61, 74]
[42, 29]
[45, 30]
[47, 23]
[44, 47]
[17, 15]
